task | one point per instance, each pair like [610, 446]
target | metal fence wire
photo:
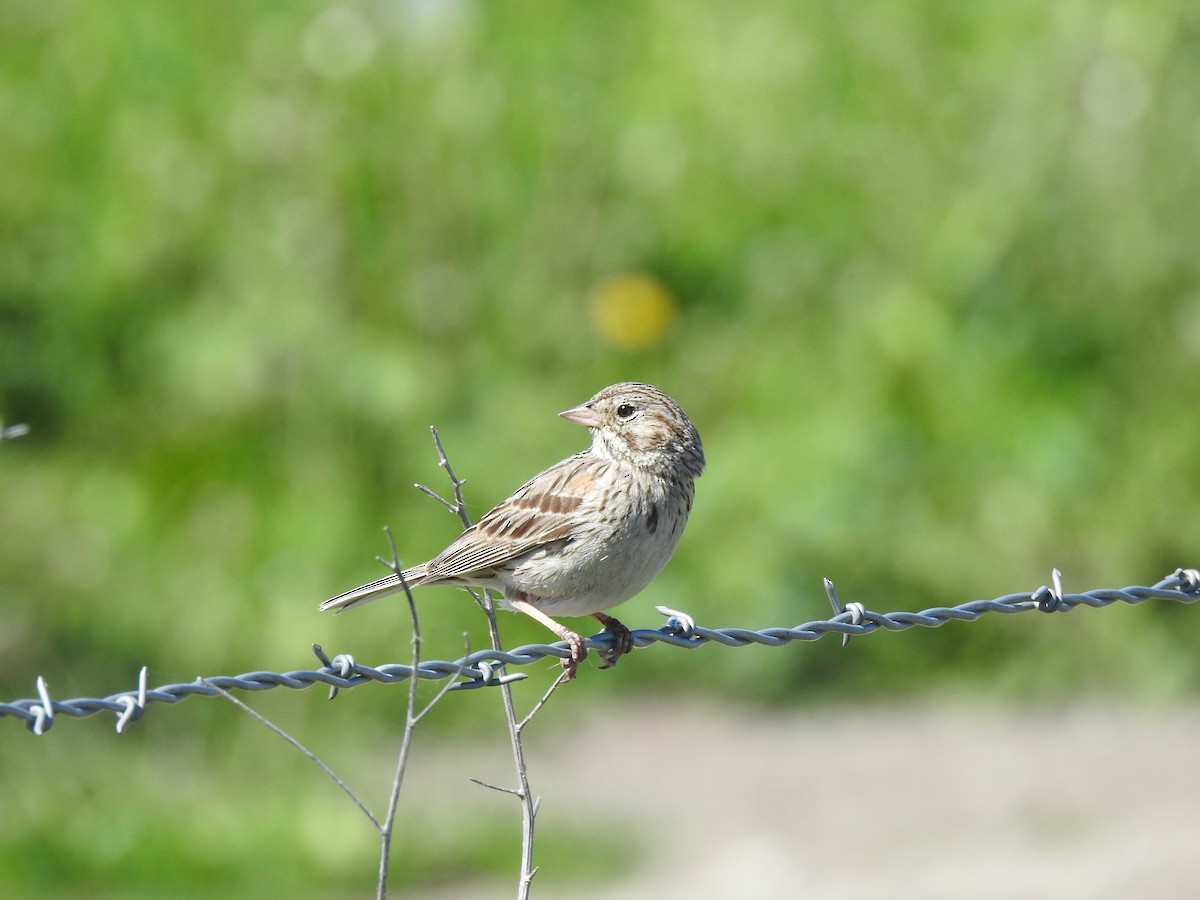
[484, 668]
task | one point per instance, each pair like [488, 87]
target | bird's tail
[373, 591]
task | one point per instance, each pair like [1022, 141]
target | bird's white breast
[621, 555]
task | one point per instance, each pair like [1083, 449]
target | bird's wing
[542, 511]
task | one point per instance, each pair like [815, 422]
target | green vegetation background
[935, 273]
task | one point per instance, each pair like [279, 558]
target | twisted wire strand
[482, 668]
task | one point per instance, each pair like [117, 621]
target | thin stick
[457, 482]
[496, 787]
[459, 506]
[562, 676]
[448, 684]
[529, 804]
[429, 492]
[411, 718]
[295, 743]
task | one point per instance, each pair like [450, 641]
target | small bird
[586, 534]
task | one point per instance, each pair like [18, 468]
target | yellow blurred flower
[633, 311]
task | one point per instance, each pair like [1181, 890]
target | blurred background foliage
[924, 274]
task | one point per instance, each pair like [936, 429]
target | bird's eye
[626, 411]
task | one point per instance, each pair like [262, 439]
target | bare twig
[496, 787]
[459, 506]
[295, 743]
[429, 492]
[529, 803]
[411, 718]
[564, 675]
[448, 684]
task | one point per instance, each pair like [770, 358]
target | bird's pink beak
[582, 415]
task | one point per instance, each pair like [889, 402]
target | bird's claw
[578, 653]
[622, 641]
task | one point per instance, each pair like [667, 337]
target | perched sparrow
[587, 533]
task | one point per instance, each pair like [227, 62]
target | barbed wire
[484, 668]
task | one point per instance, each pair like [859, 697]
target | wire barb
[489, 676]
[1188, 579]
[44, 712]
[1050, 599]
[134, 705]
[679, 623]
[856, 611]
[486, 668]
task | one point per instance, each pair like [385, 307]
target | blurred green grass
[938, 321]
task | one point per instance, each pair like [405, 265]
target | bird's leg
[578, 648]
[622, 639]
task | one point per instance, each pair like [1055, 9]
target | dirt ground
[934, 800]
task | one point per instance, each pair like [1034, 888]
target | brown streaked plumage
[586, 534]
